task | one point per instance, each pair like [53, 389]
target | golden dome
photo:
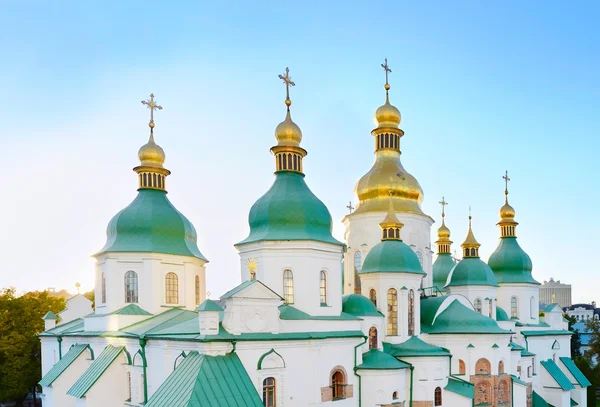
[151, 154]
[470, 241]
[387, 115]
[287, 132]
[507, 212]
[443, 231]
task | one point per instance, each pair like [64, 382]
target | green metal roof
[95, 371]
[131, 309]
[515, 346]
[460, 387]
[207, 381]
[441, 268]
[501, 315]
[517, 380]
[49, 315]
[525, 352]
[151, 224]
[510, 263]
[289, 211]
[414, 347]
[574, 403]
[209, 305]
[242, 286]
[471, 271]
[559, 377]
[538, 401]
[288, 312]
[546, 333]
[71, 326]
[538, 325]
[391, 256]
[550, 307]
[375, 359]
[577, 374]
[360, 306]
[62, 365]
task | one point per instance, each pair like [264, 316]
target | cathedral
[376, 320]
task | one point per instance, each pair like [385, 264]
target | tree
[592, 374]
[593, 327]
[20, 350]
[575, 338]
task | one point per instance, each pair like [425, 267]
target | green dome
[455, 318]
[289, 211]
[359, 306]
[510, 263]
[151, 224]
[471, 271]
[441, 268]
[391, 256]
[501, 315]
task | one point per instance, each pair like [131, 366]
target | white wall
[429, 373]
[380, 385]
[111, 389]
[77, 306]
[56, 395]
[523, 292]
[473, 292]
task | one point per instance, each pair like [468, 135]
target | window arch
[483, 367]
[131, 287]
[269, 392]
[392, 316]
[482, 393]
[357, 261]
[503, 392]
[514, 311]
[477, 305]
[288, 286]
[462, 369]
[197, 289]
[438, 396]
[373, 296]
[103, 287]
[411, 312]
[338, 384]
[373, 338]
[323, 288]
[395, 395]
[532, 307]
[172, 288]
[501, 367]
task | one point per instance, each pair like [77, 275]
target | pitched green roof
[67, 327]
[375, 359]
[538, 325]
[151, 224]
[538, 401]
[525, 352]
[574, 403]
[444, 263]
[517, 380]
[414, 347]
[289, 312]
[510, 263]
[461, 387]
[360, 306]
[49, 315]
[577, 374]
[501, 315]
[515, 346]
[207, 381]
[289, 211]
[550, 307]
[559, 377]
[95, 371]
[242, 286]
[391, 256]
[546, 333]
[62, 365]
[471, 271]
[209, 305]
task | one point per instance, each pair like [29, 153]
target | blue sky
[483, 87]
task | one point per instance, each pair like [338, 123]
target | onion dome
[151, 154]
[387, 173]
[501, 315]
[391, 255]
[359, 306]
[448, 315]
[289, 210]
[444, 261]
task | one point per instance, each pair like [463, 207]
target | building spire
[470, 245]
[391, 225]
[387, 86]
[443, 241]
[507, 222]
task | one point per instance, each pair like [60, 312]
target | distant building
[583, 312]
[553, 292]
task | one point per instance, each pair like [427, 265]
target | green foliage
[20, 350]
[593, 327]
[593, 375]
[575, 338]
[90, 295]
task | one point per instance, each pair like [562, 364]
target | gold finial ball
[288, 102]
[151, 124]
[387, 86]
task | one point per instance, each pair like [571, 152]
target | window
[532, 307]
[477, 305]
[129, 386]
[483, 367]
[172, 288]
[528, 371]
[269, 399]
[373, 296]
[103, 287]
[338, 383]
[503, 392]
[461, 367]
[491, 308]
[501, 367]
[373, 338]
[392, 316]
[395, 395]
[438, 396]
[514, 313]
[131, 287]
[197, 289]
[288, 287]
[323, 288]
[357, 261]
[411, 312]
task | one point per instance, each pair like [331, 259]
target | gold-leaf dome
[507, 212]
[443, 231]
[288, 133]
[387, 115]
[151, 154]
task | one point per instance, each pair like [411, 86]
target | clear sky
[483, 87]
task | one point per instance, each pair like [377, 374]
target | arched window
[373, 296]
[269, 398]
[323, 288]
[172, 288]
[491, 308]
[514, 312]
[483, 367]
[392, 315]
[420, 256]
[438, 396]
[501, 367]
[338, 384]
[131, 287]
[103, 287]
[503, 392]
[482, 393]
[288, 287]
[477, 305]
[462, 369]
[411, 312]
[395, 395]
[532, 307]
[197, 289]
[373, 338]
[357, 261]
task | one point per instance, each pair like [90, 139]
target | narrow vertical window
[357, 268]
[131, 287]
[172, 288]
[323, 288]
[392, 315]
[373, 338]
[438, 396]
[269, 398]
[288, 287]
[514, 312]
[462, 369]
[103, 286]
[477, 305]
[491, 308]
[338, 383]
[532, 307]
[145, 180]
[411, 312]
[373, 296]
[197, 289]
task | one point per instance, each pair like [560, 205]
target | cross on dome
[506, 180]
[443, 203]
[387, 70]
[151, 104]
[287, 79]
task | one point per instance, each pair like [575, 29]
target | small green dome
[471, 271]
[151, 224]
[510, 263]
[455, 318]
[501, 315]
[359, 306]
[391, 256]
[441, 268]
[289, 211]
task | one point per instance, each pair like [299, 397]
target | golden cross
[506, 179]
[152, 106]
[470, 216]
[350, 207]
[387, 69]
[443, 203]
[288, 82]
